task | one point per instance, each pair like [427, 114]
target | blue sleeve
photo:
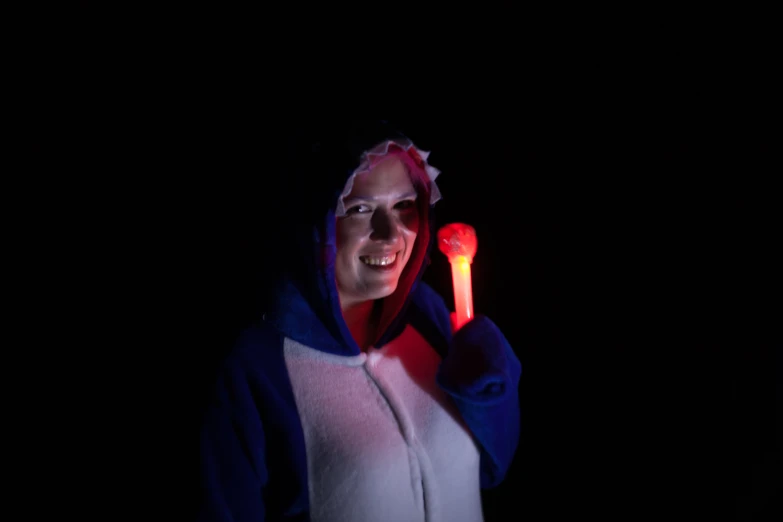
[481, 373]
[233, 467]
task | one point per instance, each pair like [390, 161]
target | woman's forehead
[420, 173]
[389, 176]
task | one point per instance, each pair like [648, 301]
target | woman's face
[376, 236]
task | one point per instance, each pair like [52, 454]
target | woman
[352, 400]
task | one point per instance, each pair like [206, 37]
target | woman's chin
[382, 291]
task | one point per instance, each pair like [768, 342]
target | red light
[458, 239]
[458, 242]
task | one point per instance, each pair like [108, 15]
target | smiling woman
[352, 399]
[375, 240]
[376, 236]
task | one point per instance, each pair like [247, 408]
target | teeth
[378, 260]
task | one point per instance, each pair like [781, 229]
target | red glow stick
[458, 241]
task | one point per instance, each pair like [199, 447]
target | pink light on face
[458, 242]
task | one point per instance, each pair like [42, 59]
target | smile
[379, 260]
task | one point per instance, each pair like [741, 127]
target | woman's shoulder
[254, 346]
[425, 294]
[431, 317]
[429, 301]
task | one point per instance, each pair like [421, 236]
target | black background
[607, 257]
[614, 254]
[618, 176]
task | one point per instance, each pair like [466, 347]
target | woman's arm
[481, 373]
[233, 468]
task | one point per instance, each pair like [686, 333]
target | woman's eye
[358, 209]
[406, 204]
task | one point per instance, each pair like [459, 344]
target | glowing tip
[457, 239]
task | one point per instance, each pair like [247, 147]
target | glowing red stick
[458, 241]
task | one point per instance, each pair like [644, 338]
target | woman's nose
[385, 226]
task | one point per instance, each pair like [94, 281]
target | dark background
[617, 169]
[615, 254]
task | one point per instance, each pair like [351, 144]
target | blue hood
[306, 305]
